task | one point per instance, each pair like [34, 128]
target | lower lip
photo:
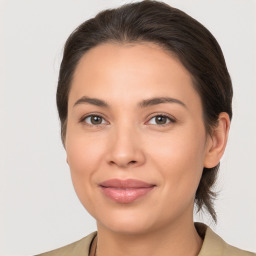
[125, 196]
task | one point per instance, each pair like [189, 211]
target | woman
[144, 99]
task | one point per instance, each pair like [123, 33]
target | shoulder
[214, 245]
[78, 248]
[231, 250]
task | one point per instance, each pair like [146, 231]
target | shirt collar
[213, 245]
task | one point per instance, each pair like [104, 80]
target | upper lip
[128, 183]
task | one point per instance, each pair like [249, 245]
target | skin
[129, 143]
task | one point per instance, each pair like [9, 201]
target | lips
[125, 191]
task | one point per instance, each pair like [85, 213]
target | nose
[126, 149]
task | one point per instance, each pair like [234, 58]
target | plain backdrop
[39, 210]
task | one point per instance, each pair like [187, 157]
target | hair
[174, 31]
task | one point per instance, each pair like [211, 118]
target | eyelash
[172, 120]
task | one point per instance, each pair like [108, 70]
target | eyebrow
[142, 104]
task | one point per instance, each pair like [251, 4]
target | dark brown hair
[173, 30]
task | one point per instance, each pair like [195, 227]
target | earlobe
[218, 141]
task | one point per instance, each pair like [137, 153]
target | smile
[125, 191]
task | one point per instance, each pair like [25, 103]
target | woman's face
[135, 141]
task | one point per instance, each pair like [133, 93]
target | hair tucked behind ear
[175, 31]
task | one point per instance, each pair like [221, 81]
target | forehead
[140, 70]
[138, 58]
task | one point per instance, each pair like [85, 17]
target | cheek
[83, 156]
[179, 158]
[82, 149]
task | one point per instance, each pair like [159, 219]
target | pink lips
[125, 191]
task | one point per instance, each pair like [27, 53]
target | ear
[217, 141]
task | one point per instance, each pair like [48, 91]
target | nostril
[126, 164]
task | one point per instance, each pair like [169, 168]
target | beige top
[213, 245]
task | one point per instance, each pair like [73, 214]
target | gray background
[39, 210]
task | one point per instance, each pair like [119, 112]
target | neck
[177, 239]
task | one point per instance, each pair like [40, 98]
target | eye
[161, 120]
[93, 120]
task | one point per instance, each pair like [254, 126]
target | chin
[126, 227]
[127, 221]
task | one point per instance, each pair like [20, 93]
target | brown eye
[161, 120]
[94, 120]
